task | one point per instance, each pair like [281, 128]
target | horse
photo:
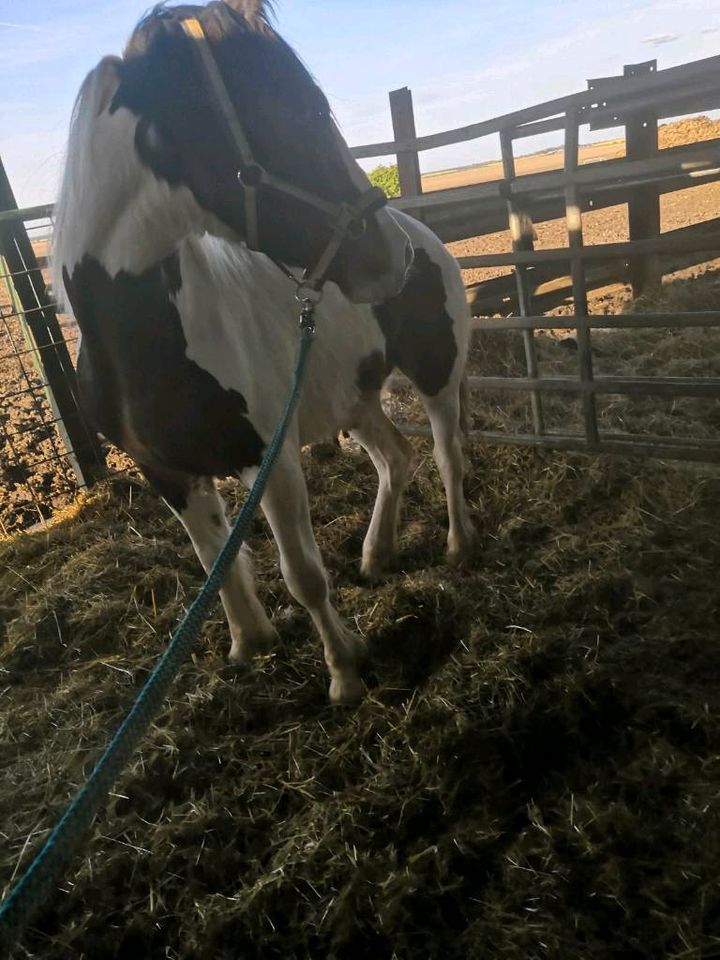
[188, 329]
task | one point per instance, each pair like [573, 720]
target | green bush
[387, 179]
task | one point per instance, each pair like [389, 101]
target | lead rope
[34, 886]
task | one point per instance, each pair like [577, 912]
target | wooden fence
[637, 100]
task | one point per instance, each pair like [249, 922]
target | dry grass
[534, 774]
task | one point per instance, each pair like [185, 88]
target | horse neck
[146, 229]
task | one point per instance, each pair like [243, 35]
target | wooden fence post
[641, 142]
[403, 121]
[42, 322]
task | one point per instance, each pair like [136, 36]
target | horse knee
[306, 581]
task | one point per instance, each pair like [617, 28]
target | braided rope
[33, 888]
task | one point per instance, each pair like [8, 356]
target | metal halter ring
[251, 175]
[308, 293]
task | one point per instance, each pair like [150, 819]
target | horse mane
[81, 172]
[217, 17]
[254, 11]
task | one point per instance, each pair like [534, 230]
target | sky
[464, 60]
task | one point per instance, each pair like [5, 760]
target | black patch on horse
[173, 487]
[371, 373]
[138, 386]
[418, 329]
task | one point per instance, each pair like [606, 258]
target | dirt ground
[34, 478]
[674, 134]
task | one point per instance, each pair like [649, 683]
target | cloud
[661, 38]
[20, 26]
[73, 40]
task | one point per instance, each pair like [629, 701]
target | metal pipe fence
[47, 450]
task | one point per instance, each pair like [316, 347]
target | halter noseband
[346, 219]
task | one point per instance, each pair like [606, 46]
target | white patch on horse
[239, 317]
[124, 217]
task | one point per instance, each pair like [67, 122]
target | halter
[346, 219]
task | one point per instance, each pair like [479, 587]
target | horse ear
[254, 11]
[107, 80]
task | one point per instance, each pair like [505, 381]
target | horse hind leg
[201, 510]
[391, 454]
[444, 411]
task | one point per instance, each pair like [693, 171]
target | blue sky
[465, 60]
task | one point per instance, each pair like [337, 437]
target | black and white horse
[188, 336]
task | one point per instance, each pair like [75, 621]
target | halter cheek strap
[346, 219]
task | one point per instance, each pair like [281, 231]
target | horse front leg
[285, 504]
[201, 510]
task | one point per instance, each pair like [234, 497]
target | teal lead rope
[33, 888]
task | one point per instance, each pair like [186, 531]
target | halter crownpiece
[347, 219]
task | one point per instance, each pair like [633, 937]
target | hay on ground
[535, 772]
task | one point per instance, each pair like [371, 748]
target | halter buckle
[308, 293]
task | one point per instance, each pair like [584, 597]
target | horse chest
[140, 387]
[184, 369]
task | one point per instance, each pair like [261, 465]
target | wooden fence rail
[700, 77]
[636, 100]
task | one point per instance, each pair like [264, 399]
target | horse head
[182, 138]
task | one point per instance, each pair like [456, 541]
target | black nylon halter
[346, 219]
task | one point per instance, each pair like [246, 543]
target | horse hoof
[375, 569]
[244, 651]
[346, 690]
[460, 558]
[462, 550]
